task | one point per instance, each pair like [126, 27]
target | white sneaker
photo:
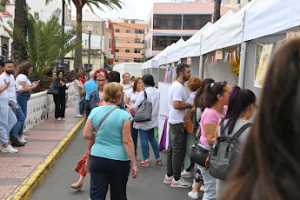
[22, 139]
[194, 195]
[186, 174]
[63, 119]
[79, 116]
[168, 180]
[9, 149]
[58, 119]
[181, 183]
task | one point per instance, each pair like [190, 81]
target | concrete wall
[41, 106]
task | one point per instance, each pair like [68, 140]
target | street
[147, 186]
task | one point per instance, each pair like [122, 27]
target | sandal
[76, 186]
[159, 162]
[145, 163]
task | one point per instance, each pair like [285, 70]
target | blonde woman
[112, 155]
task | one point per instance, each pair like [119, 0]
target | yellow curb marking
[23, 192]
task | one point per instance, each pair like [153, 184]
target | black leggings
[106, 172]
[60, 105]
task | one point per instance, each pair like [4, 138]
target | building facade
[129, 41]
[168, 22]
[236, 3]
[93, 29]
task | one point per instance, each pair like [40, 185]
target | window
[117, 50]
[128, 31]
[137, 51]
[167, 22]
[137, 40]
[127, 50]
[117, 30]
[138, 60]
[161, 42]
[139, 31]
[127, 60]
[116, 60]
[195, 22]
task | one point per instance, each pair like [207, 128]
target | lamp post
[89, 45]
[63, 27]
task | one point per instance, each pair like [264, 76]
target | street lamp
[89, 28]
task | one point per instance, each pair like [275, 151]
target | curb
[24, 191]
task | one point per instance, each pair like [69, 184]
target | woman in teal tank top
[112, 155]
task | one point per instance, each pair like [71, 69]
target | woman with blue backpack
[236, 124]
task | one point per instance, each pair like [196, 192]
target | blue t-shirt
[109, 138]
[89, 87]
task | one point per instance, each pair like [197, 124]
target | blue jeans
[134, 135]
[210, 185]
[148, 135]
[17, 130]
[22, 99]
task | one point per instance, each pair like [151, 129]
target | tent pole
[242, 65]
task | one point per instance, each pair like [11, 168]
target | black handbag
[200, 155]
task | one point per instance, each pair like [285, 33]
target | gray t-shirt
[239, 124]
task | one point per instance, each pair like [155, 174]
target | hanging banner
[264, 53]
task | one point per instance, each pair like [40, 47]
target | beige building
[129, 41]
[236, 3]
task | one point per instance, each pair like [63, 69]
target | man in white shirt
[17, 137]
[126, 82]
[178, 96]
[7, 117]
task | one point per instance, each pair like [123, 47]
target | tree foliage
[79, 4]
[46, 43]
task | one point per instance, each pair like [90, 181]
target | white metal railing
[41, 106]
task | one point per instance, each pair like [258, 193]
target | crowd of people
[216, 136]
[15, 91]
[112, 132]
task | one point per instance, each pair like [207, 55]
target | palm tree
[45, 43]
[79, 4]
[217, 10]
[20, 31]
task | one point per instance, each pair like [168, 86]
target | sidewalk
[21, 172]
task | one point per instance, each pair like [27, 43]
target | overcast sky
[132, 9]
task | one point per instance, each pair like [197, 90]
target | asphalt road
[148, 185]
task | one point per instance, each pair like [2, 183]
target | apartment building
[236, 3]
[129, 37]
[168, 22]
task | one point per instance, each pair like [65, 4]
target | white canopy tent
[270, 16]
[168, 57]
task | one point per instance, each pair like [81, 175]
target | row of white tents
[260, 20]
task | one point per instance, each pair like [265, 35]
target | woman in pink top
[215, 98]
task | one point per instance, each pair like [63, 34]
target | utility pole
[89, 50]
[63, 27]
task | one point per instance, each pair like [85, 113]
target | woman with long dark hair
[269, 168]
[24, 85]
[59, 97]
[215, 98]
[137, 89]
[241, 108]
[199, 107]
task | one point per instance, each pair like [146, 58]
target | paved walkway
[147, 186]
[15, 168]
